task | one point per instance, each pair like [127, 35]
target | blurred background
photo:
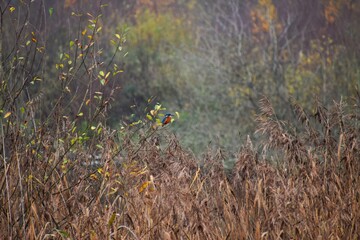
[211, 61]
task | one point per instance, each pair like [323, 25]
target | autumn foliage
[264, 141]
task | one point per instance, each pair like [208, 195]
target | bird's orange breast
[167, 120]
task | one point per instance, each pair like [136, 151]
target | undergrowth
[301, 182]
[65, 175]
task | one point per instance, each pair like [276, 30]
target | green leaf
[157, 107]
[135, 123]
[72, 43]
[101, 73]
[117, 72]
[112, 219]
[51, 10]
[91, 26]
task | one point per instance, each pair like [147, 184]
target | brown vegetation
[302, 183]
[67, 72]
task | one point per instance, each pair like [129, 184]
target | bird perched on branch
[166, 119]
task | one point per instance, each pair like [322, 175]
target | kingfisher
[166, 119]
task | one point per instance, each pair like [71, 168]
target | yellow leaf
[12, 9]
[158, 122]
[157, 107]
[143, 186]
[107, 75]
[93, 176]
[177, 114]
[153, 112]
[7, 115]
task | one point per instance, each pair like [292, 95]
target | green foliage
[244, 50]
[158, 31]
[211, 60]
[152, 38]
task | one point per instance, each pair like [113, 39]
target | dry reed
[153, 189]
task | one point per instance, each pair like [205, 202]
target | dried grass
[153, 189]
